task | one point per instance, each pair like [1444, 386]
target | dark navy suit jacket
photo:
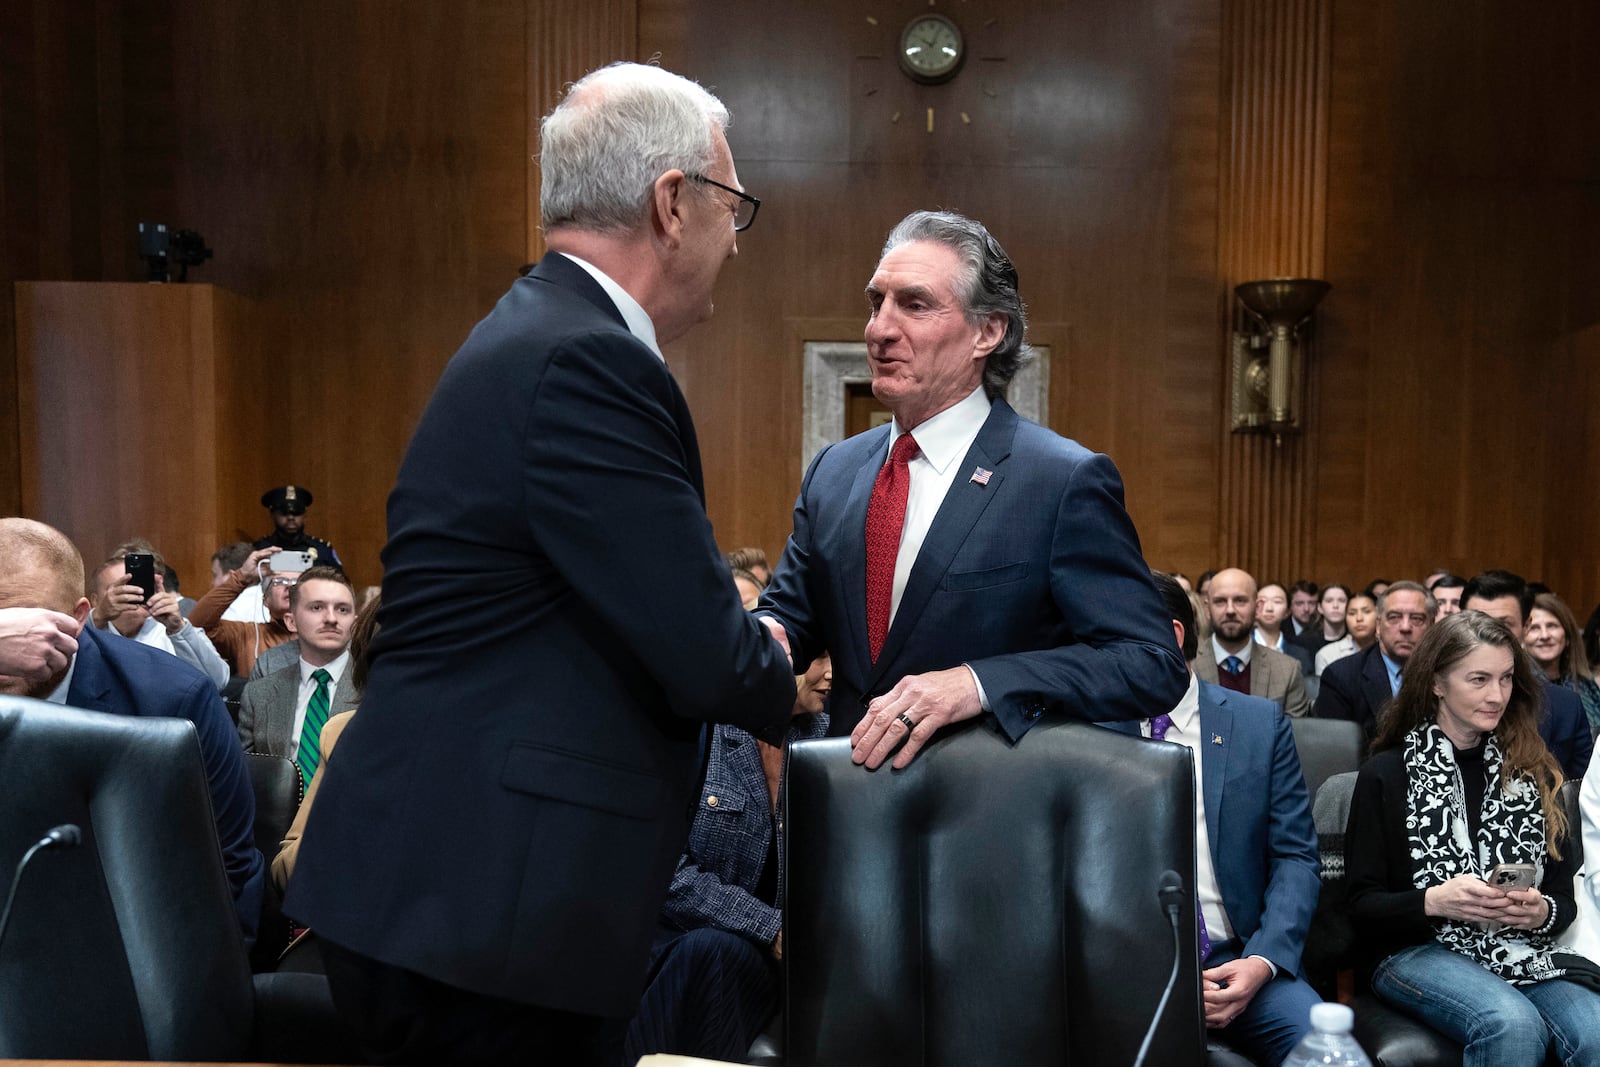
[1034, 578]
[557, 627]
[1258, 818]
[114, 674]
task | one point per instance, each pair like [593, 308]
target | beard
[1232, 629]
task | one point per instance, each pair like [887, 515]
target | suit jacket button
[711, 801]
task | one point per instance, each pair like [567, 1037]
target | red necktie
[886, 516]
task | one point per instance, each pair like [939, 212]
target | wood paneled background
[365, 173]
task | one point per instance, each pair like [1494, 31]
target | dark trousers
[399, 1016]
[709, 995]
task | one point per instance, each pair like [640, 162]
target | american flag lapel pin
[1216, 739]
[981, 476]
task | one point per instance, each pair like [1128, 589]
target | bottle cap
[1334, 1018]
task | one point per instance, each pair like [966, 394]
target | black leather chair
[278, 789]
[127, 947]
[990, 904]
[1326, 747]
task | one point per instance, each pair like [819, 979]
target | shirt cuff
[1273, 967]
[983, 698]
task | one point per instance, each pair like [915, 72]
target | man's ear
[80, 611]
[1177, 631]
[666, 206]
[990, 333]
[288, 623]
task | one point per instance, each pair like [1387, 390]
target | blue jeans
[1500, 1024]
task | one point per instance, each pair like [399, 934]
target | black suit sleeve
[611, 485]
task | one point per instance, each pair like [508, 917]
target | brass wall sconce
[1269, 386]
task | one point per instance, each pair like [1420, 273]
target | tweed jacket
[720, 868]
[1273, 676]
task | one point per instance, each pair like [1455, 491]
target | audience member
[1256, 862]
[1234, 660]
[284, 714]
[572, 637]
[1361, 630]
[749, 587]
[185, 603]
[714, 974]
[288, 504]
[241, 642]
[1272, 611]
[1447, 594]
[1202, 585]
[1183, 581]
[246, 607]
[106, 673]
[1556, 645]
[362, 631]
[1378, 586]
[120, 607]
[1502, 595]
[1431, 582]
[1357, 687]
[1459, 784]
[1332, 603]
[966, 597]
[1303, 604]
[753, 560]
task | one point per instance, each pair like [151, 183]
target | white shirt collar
[634, 314]
[945, 437]
[1186, 716]
[335, 669]
[1221, 653]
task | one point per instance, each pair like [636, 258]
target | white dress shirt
[308, 685]
[1243, 655]
[633, 313]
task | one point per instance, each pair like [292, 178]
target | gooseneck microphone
[67, 835]
[1171, 894]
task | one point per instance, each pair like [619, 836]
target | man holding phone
[130, 598]
[241, 642]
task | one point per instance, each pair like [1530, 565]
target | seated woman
[1552, 638]
[1459, 786]
[1331, 606]
[1361, 629]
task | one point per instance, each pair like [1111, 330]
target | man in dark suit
[1357, 687]
[283, 713]
[1257, 864]
[1565, 728]
[497, 829]
[108, 673]
[961, 559]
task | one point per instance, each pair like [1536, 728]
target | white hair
[617, 130]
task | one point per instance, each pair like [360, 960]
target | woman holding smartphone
[1456, 808]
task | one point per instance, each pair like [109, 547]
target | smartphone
[1509, 876]
[289, 562]
[142, 572]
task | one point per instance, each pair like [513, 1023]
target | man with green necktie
[283, 713]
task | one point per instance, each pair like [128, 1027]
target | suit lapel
[280, 710]
[1216, 721]
[963, 504]
[1376, 673]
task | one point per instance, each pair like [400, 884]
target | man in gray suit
[283, 713]
[1234, 660]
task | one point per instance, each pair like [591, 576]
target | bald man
[42, 586]
[1233, 658]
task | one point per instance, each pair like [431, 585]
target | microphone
[67, 835]
[1170, 893]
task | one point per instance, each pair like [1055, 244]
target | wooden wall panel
[364, 172]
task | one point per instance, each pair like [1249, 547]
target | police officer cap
[289, 499]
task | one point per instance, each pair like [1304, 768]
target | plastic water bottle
[1329, 1040]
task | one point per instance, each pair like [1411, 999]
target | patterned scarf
[1510, 830]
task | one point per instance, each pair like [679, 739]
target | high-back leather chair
[276, 783]
[1326, 747]
[126, 947]
[991, 903]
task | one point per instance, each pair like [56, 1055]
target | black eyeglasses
[744, 213]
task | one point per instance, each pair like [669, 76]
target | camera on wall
[161, 251]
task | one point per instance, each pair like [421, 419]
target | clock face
[931, 49]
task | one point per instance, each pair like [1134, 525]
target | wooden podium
[144, 411]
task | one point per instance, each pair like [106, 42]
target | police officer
[288, 505]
